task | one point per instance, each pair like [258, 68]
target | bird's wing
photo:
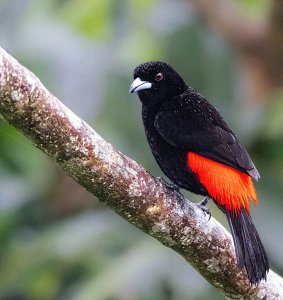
[184, 127]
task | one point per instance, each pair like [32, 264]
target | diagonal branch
[122, 184]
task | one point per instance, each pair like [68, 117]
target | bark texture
[122, 184]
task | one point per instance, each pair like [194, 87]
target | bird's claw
[171, 186]
[176, 190]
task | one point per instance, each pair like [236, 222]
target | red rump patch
[227, 186]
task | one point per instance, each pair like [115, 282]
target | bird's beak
[139, 85]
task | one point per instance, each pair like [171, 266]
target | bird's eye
[158, 77]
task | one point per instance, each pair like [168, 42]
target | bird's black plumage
[179, 121]
[206, 134]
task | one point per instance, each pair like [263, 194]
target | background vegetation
[58, 242]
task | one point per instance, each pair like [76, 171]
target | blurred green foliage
[57, 242]
[81, 15]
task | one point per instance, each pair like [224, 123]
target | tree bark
[123, 185]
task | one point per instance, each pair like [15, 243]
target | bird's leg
[176, 189]
[202, 206]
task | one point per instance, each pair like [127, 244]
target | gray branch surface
[123, 184]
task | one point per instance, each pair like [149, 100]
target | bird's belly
[173, 162]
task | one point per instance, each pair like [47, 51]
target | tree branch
[122, 184]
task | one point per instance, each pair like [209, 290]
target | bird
[197, 150]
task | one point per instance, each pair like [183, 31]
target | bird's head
[156, 82]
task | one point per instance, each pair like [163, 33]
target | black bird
[198, 151]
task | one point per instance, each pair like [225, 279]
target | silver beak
[139, 85]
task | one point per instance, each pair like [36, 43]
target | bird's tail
[250, 252]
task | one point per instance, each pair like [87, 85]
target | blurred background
[59, 242]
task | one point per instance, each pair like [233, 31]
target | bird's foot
[202, 206]
[176, 190]
[170, 185]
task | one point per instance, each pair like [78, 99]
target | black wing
[190, 123]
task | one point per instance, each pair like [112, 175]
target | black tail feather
[250, 252]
